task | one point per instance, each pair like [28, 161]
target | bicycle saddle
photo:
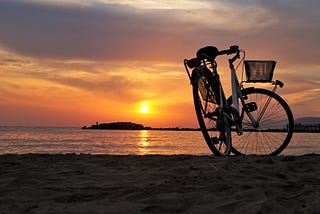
[208, 52]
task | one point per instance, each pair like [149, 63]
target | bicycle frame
[250, 112]
[236, 91]
[237, 94]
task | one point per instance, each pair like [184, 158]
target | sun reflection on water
[143, 142]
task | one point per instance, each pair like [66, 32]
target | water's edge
[63, 140]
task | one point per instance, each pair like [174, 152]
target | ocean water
[53, 140]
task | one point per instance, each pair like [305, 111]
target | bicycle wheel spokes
[257, 143]
[274, 129]
[218, 139]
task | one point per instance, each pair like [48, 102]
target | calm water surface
[21, 140]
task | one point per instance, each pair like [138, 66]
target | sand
[159, 184]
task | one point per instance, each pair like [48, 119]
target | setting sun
[133, 70]
[144, 108]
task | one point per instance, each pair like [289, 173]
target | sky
[78, 62]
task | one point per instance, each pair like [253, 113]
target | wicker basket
[259, 70]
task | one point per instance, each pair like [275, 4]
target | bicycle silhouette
[252, 120]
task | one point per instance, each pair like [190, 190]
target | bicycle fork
[236, 93]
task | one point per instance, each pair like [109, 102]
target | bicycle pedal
[250, 107]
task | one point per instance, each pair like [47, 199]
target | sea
[64, 140]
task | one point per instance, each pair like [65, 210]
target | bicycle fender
[199, 72]
[195, 75]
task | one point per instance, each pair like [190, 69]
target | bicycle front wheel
[272, 129]
[215, 128]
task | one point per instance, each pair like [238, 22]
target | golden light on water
[143, 143]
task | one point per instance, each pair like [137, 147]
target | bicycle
[252, 120]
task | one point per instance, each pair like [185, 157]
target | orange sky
[74, 63]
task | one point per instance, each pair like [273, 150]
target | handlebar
[211, 52]
[233, 49]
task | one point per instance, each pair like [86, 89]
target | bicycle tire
[219, 142]
[275, 127]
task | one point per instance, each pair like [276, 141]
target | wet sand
[35, 183]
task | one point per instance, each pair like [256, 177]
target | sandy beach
[159, 184]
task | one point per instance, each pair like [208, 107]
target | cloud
[110, 32]
[149, 30]
[104, 47]
[99, 57]
[141, 4]
[118, 81]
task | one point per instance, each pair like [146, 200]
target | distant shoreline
[153, 129]
[188, 129]
[144, 128]
[135, 126]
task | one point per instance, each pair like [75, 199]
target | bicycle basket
[259, 70]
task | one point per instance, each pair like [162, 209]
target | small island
[118, 125]
[132, 126]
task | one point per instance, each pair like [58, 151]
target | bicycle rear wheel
[274, 128]
[214, 127]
